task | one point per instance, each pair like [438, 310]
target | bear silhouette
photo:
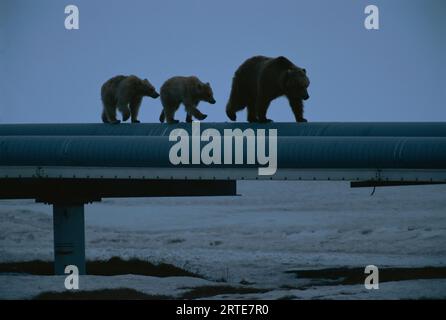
[187, 90]
[259, 80]
[124, 93]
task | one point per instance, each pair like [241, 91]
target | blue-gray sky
[397, 73]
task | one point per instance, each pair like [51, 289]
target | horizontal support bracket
[379, 183]
[215, 173]
[79, 191]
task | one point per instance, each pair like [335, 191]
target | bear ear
[304, 70]
[283, 60]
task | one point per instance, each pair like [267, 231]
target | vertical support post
[69, 237]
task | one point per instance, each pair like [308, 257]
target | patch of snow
[27, 287]
[273, 227]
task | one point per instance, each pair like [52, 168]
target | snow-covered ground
[273, 227]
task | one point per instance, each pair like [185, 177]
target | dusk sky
[396, 73]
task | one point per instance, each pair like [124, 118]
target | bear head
[205, 92]
[147, 89]
[296, 83]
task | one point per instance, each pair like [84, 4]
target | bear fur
[259, 80]
[124, 93]
[188, 91]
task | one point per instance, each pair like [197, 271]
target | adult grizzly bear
[124, 93]
[259, 80]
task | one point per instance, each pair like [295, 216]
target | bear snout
[155, 95]
[212, 101]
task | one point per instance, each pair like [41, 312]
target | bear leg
[135, 104]
[252, 117]
[193, 111]
[110, 114]
[298, 109]
[104, 117]
[189, 118]
[231, 115]
[125, 111]
[162, 116]
[233, 107]
[169, 115]
[261, 108]
[230, 112]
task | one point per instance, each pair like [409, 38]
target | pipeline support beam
[69, 237]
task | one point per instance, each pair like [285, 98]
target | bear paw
[173, 121]
[136, 121]
[202, 117]
[265, 120]
[115, 121]
[125, 115]
[231, 115]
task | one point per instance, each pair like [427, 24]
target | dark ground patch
[118, 266]
[348, 276]
[210, 291]
[131, 294]
[113, 266]
[105, 294]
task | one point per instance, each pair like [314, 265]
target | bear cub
[260, 80]
[124, 93]
[187, 90]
